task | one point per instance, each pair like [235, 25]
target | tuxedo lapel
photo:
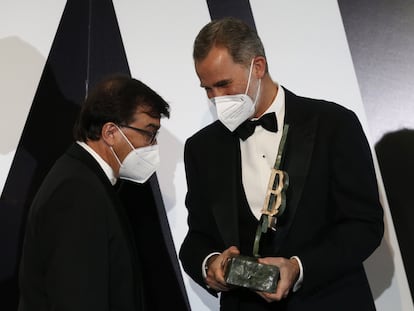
[298, 152]
[225, 208]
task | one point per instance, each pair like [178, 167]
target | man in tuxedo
[332, 220]
[79, 251]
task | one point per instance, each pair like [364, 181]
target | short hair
[242, 42]
[116, 99]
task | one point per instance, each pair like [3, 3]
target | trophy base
[246, 272]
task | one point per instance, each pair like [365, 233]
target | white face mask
[140, 163]
[233, 110]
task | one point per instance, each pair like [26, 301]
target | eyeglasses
[151, 136]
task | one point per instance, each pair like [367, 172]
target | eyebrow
[153, 126]
[219, 83]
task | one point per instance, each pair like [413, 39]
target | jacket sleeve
[200, 240]
[356, 223]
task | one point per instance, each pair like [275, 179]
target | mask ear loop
[257, 93]
[250, 76]
[116, 157]
[129, 143]
[122, 133]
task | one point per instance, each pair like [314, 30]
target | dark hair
[115, 99]
[236, 36]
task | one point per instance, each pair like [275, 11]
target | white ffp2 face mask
[139, 164]
[233, 110]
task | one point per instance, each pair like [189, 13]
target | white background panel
[27, 29]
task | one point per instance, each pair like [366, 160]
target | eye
[150, 136]
[222, 84]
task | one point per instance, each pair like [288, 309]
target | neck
[267, 96]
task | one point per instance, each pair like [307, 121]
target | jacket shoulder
[300, 107]
[213, 131]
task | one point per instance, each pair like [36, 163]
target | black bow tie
[268, 122]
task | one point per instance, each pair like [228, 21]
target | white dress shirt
[258, 156]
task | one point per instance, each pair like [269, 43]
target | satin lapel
[227, 187]
[298, 153]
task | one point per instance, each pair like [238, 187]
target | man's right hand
[216, 267]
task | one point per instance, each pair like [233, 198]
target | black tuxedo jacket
[333, 219]
[79, 252]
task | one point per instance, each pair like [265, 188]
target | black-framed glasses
[151, 136]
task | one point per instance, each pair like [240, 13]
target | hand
[289, 273]
[216, 266]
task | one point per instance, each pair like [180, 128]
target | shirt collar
[109, 172]
[278, 106]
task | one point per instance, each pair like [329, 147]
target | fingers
[216, 269]
[232, 251]
[288, 276]
[280, 293]
[216, 285]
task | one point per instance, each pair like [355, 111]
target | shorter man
[79, 251]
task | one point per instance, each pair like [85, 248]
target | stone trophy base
[246, 272]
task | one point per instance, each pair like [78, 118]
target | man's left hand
[289, 273]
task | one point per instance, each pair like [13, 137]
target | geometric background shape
[381, 41]
[87, 47]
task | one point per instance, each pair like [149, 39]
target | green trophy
[246, 271]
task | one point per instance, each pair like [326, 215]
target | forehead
[217, 66]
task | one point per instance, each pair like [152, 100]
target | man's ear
[259, 66]
[108, 133]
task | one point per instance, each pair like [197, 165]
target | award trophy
[246, 271]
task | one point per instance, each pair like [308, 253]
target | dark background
[380, 35]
